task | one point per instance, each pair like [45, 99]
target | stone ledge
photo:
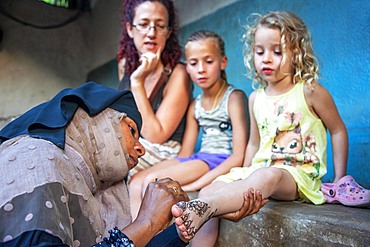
[299, 224]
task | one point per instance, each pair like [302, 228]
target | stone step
[299, 224]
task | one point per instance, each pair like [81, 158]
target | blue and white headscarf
[75, 191]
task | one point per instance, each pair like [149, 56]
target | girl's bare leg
[184, 173]
[274, 182]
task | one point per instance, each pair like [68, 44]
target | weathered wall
[37, 63]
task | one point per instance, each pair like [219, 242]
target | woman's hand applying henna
[155, 211]
[158, 200]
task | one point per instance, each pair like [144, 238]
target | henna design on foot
[195, 214]
[198, 207]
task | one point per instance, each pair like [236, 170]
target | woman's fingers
[174, 187]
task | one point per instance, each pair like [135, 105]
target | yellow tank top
[290, 134]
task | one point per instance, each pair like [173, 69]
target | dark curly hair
[172, 52]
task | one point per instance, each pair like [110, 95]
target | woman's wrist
[137, 83]
[137, 88]
[137, 79]
[141, 231]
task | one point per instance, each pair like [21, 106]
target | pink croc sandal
[347, 192]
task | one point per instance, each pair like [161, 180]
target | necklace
[218, 94]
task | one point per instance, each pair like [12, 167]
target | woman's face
[155, 16]
[134, 148]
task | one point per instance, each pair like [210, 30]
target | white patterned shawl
[76, 194]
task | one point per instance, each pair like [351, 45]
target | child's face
[204, 62]
[268, 55]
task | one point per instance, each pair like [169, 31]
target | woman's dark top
[155, 102]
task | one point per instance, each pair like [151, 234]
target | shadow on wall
[107, 74]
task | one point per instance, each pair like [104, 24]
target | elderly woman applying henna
[63, 169]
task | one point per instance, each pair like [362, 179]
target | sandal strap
[327, 189]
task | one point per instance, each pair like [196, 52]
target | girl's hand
[149, 62]
[253, 202]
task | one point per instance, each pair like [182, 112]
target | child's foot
[190, 216]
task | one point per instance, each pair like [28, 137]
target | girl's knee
[271, 174]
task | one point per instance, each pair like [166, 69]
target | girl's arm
[322, 104]
[254, 137]
[191, 133]
[237, 107]
[158, 127]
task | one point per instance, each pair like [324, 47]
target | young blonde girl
[290, 113]
[220, 113]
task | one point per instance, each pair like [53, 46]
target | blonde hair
[294, 32]
[204, 34]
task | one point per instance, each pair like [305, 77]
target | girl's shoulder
[253, 94]
[315, 88]
[233, 90]
[252, 97]
[316, 95]
[237, 97]
[237, 93]
[315, 92]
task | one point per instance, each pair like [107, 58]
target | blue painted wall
[341, 39]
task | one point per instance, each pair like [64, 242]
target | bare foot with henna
[190, 216]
